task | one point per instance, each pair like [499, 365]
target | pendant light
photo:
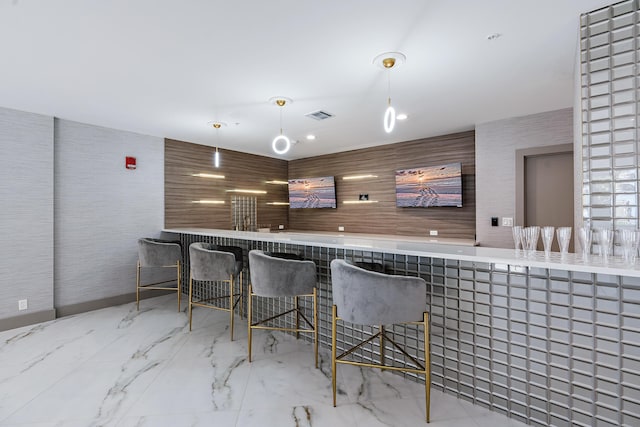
[387, 61]
[280, 140]
[216, 154]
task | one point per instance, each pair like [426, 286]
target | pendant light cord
[389, 85]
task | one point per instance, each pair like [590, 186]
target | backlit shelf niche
[358, 177]
[358, 202]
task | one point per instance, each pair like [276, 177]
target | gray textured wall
[26, 212]
[496, 145]
[101, 208]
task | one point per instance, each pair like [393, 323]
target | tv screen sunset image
[429, 186]
[312, 193]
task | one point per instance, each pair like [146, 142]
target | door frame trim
[520, 159]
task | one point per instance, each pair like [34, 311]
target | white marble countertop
[455, 249]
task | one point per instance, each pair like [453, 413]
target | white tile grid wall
[609, 76]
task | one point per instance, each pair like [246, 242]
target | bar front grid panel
[546, 347]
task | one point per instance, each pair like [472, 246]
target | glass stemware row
[526, 238]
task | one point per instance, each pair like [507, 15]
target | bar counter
[547, 341]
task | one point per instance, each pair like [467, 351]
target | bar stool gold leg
[315, 322]
[138, 287]
[241, 299]
[231, 306]
[382, 345]
[427, 366]
[190, 300]
[333, 353]
[295, 306]
[250, 334]
[179, 285]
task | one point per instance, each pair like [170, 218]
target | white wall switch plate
[22, 304]
[433, 232]
[507, 221]
[340, 228]
[281, 227]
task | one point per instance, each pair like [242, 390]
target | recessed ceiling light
[311, 137]
[401, 116]
[494, 36]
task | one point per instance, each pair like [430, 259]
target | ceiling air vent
[319, 115]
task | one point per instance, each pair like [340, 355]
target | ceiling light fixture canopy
[387, 61]
[280, 101]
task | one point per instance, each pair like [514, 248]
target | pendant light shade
[281, 144]
[216, 154]
[387, 61]
[283, 141]
[389, 118]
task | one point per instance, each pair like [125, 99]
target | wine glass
[530, 240]
[605, 241]
[516, 230]
[547, 239]
[584, 235]
[629, 240]
[564, 237]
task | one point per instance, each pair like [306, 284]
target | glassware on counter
[605, 242]
[584, 236]
[547, 239]
[516, 230]
[564, 237]
[530, 238]
[629, 239]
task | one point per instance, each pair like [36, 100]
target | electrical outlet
[433, 232]
[22, 304]
[507, 222]
[340, 228]
[281, 227]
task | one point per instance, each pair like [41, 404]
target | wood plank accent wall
[241, 170]
[384, 217]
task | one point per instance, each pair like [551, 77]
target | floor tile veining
[121, 367]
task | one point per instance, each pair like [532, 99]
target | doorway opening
[544, 188]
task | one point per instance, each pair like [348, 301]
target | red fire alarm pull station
[130, 162]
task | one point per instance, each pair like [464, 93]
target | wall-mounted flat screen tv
[312, 193]
[429, 186]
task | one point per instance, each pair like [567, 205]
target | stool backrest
[158, 253]
[276, 276]
[369, 298]
[210, 264]
[237, 253]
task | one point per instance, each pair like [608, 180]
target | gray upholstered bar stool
[369, 298]
[280, 276]
[214, 263]
[157, 253]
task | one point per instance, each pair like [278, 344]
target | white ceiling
[168, 67]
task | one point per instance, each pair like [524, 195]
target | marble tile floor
[121, 367]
